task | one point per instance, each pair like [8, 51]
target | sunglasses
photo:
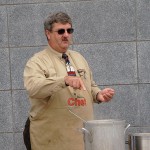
[62, 31]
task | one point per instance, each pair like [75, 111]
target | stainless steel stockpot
[104, 135]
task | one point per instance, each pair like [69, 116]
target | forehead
[60, 25]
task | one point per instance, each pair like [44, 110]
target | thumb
[82, 87]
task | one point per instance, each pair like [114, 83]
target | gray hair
[59, 17]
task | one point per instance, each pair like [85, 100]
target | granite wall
[114, 37]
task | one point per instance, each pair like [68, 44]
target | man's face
[59, 41]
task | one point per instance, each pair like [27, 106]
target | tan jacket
[53, 126]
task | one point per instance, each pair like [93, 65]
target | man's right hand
[75, 82]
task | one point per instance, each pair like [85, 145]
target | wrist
[97, 99]
[65, 81]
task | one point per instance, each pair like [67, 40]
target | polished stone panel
[111, 63]
[144, 104]
[144, 61]
[104, 21]
[3, 2]
[35, 1]
[4, 69]
[6, 112]
[3, 27]
[143, 19]
[6, 141]
[25, 25]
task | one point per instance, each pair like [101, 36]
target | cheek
[55, 39]
[59, 40]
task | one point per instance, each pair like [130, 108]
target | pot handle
[127, 126]
[85, 131]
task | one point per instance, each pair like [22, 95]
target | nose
[66, 34]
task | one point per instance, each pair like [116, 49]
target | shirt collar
[57, 54]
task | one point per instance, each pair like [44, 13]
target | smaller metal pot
[139, 141]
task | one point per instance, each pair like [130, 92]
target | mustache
[67, 40]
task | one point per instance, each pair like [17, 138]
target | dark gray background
[114, 37]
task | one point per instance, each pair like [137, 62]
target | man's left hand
[105, 95]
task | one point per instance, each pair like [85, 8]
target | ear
[47, 33]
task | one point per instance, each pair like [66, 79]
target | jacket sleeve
[38, 83]
[94, 89]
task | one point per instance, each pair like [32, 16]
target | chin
[64, 50]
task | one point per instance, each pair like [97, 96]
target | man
[60, 87]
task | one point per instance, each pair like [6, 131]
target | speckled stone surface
[113, 36]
